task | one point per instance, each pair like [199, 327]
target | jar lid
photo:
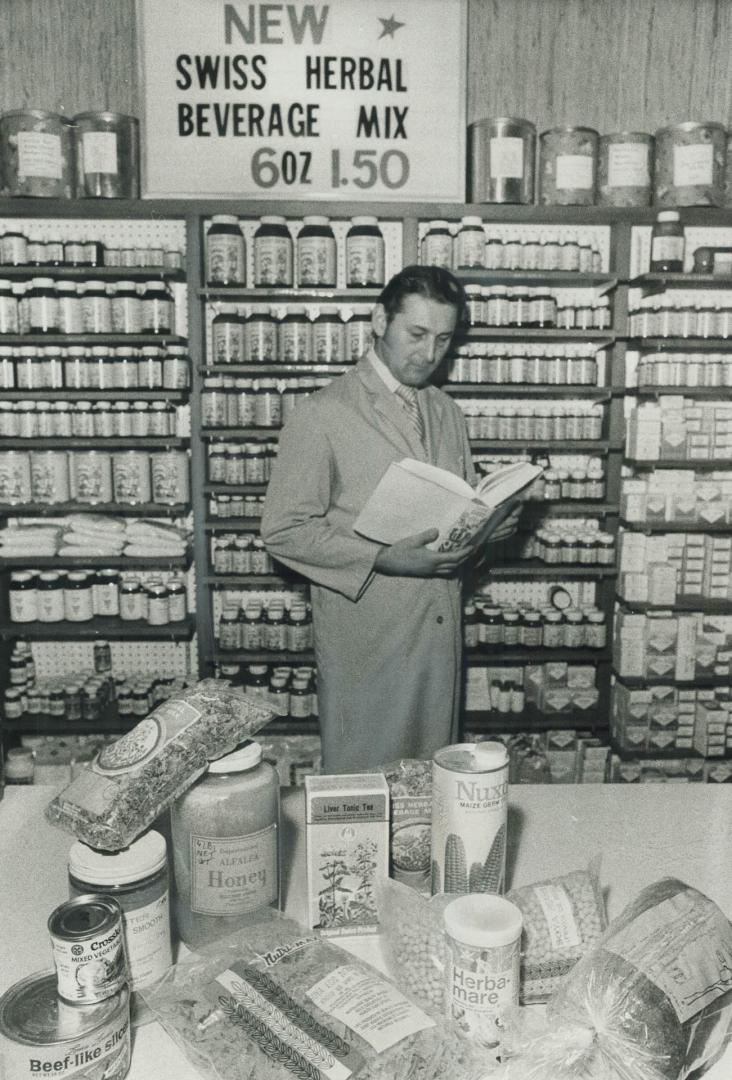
[45, 283]
[272, 219]
[143, 857]
[490, 754]
[364, 219]
[560, 598]
[483, 920]
[668, 215]
[247, 756]
[315, 219]
[471, 220]
[224, 219]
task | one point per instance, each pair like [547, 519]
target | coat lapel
[391, 419]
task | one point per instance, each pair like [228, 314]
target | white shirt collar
[389, 380]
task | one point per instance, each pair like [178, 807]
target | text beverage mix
[469, 798]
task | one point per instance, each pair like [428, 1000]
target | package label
[99, 149]
[147, 941]
[559, 914]
[369, 1005]
[233, 874]
[682, 946]
[574, 171]
[693, 164]
[39, 154]
[147, 739]
[627, 165]
[507, 157]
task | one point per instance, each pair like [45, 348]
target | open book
[413, 496]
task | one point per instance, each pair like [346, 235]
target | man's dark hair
[432, 282]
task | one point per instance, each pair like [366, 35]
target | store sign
[352, 99]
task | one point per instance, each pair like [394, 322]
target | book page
[507, 481]
[405, 503]
[434, 475]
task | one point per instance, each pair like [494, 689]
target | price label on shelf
[304, 100]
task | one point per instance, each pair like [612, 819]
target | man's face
[415, 341]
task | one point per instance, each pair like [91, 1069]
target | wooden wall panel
[68, 55]
[612, 64]
[609, 64]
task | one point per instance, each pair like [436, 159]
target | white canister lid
[490, 755]
[141, 859]
[244, 757]
[483, 920]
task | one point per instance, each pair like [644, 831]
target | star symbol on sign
[389, 26]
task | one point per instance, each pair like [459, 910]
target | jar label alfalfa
[233, 874]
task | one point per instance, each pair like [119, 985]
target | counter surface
[642, 833]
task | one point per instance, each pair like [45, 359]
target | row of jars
[128, 477]
[663, 316]
[253, 626]
[241, 463]
[537, 308]
[96, 367]
[17, 249]
[683, 164]
[80, 595]
[86, 419]
[311, 260]
[556, 543]
[228, 507]
[495, 625]
[82, 696]
[288, 692]
[230, 402]
[532, 420]
[45, 305]
[258, 336]
[537, 365]
[469, 245]
[240, 553]
[684, 369]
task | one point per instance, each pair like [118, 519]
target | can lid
[142, 858]
[483, 920]
[490, 755]
[246, 756]
[32, 1013]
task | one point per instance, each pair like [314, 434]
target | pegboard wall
[694, 237]
[595, 236]
[390, 230]
[58, 659]
[168, 234]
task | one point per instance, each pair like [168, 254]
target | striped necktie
[408, 398]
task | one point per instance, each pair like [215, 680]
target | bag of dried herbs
[277, 1001]
[123, 789]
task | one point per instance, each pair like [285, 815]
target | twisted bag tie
[408, 398]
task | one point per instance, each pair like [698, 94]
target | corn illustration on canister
[469, 797]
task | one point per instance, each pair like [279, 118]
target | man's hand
[411, 557]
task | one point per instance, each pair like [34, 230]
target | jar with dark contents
[436, 246]
[316, 253]
[78, 604]
[364, 253]
[225, 251]
[157, 309]
[295, 337]
[328, 336]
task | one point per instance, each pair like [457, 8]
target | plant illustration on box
[347, 894]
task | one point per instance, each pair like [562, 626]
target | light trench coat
[388, 649]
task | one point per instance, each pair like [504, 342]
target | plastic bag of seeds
[563, 918]
[123, 789]
[277, 1001]
[413, 940]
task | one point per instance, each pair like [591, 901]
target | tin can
[501, 155]
[689, 167]
[170, 483]
[131, 471]
[625, 168]
[568, 166]
[88, 948]
[37, 155]
[469, 796]
[41, 1035]
[91, 476]
[49, 476]
[15, 477]
[483, 937]
[107, 151]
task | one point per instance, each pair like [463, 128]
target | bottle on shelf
[667, 243]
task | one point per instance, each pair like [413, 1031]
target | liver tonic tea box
[347, 850]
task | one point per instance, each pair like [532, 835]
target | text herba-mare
[280, 24]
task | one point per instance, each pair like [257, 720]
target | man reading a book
[386, 619]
